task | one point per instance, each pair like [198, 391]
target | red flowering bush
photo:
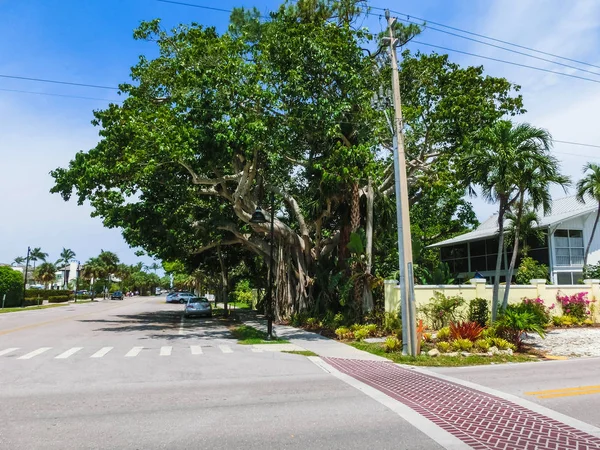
[576, 305]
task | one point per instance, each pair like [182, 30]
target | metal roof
[562, 209]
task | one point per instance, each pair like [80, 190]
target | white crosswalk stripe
[196, 349]
[8, 350]
[225, 348]
[35, 353]
[166, 351]
[68, 353]
[100, 353]
[134, 352]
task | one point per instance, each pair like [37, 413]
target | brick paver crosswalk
[480, 420]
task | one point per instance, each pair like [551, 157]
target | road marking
[35, 353]
[8, 350]
[225, 348]
[134, 352]
[166, 350]
[68, 353]
[196, 349]
[181, 324]
[566, 392]
[100, 353]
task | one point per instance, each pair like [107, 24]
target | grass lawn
[300, 352]
[248, 335]
[441, 360]
[29, 308]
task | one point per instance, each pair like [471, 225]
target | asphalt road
[132, 374]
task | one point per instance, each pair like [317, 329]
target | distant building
[567, 230]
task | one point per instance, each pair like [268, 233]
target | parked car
[179, 297]
[198, 306]
[117, 295]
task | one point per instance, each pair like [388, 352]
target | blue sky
[91, 42]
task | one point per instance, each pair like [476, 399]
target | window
[569, 247]
[456, 257]
[569, 277]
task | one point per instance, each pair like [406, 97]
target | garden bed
[568, 342]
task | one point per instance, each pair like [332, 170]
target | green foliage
[530, 269]
[465, 330]
[443, 347]
[11, 284]
[392, 344]
[537, 307]
[59, 299]
[391, 323]
[46, 294]
[463, 345]
[248, 335]
[482, 344]
[344, 333]
[243, 293]
[440, 274]
[479, 311]
[313, 323]
[361, 333]
[500, 343]
[489, 332]
[441, 310]
[443, 334]
[515, 322]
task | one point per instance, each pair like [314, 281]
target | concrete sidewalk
[314, 342]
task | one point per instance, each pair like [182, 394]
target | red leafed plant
[465, 330]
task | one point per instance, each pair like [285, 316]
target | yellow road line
[60, 319]
[566, 392]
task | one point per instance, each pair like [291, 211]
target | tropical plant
[443, 334]
[530, 269]
[66, 255]
[538, 308]
[482, 344]
[479, 311]
[500, 343]
[440, 274]
[524, 228]
[11, 285]
[465, 330]
[510, 163]
[515, 322]
[37, 254]
[589, 186]
[464, 345]
[344, 333]
[18, 261]
[576, 305]
[443, 346]
[392, 344]
[45, 273]
[442, 309]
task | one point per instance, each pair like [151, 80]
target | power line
[41, 80]
[507, 62]
[577, 143]
[58, 95]
[193, 5]
[491, 38]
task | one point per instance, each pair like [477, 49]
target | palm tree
[109, 262]
[65, 256]
[528, 228]
[45, 273]
[589, 185]
[19, 260]
[123, 272]
[154, 266]
[37, 255]
[499, 164]
[92, 270]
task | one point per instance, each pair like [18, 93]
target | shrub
[344, 333]
[557, 321]
[59, 299]
[11, 284]
[361, 333]
[312, 322]
[371, 329]
[530, 269]
[426, 337]
[356, 326]
[46, 294]
[576, 305]
[500, 344]
[465, 330]
[479, 311]
[489, 332]
[443, 347]
[482, 344]
[443, 334]
[537, 307]
[391, 323]
[462, 345]
[442, 310]
[298, 319]
[514, 323]
[392, 344]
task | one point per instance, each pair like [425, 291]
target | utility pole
[25, 280]
[407, 297]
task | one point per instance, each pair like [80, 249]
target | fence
[478, 289]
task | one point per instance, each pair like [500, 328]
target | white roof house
[567, 227]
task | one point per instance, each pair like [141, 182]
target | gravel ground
[568, 342]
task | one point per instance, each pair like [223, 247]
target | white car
[198, 306]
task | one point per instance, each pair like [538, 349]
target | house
[567, 230]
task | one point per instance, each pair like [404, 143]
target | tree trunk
[367, 292]
[513, 259]
[496, 290]
[224, 281]
[587, 250]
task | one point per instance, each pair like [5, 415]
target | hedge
[11, 284]
[47, 294]
[59, 299]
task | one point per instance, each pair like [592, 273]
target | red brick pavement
[481, 420]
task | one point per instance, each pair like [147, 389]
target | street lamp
[77, 279]
[258, 217]
[25, 280]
